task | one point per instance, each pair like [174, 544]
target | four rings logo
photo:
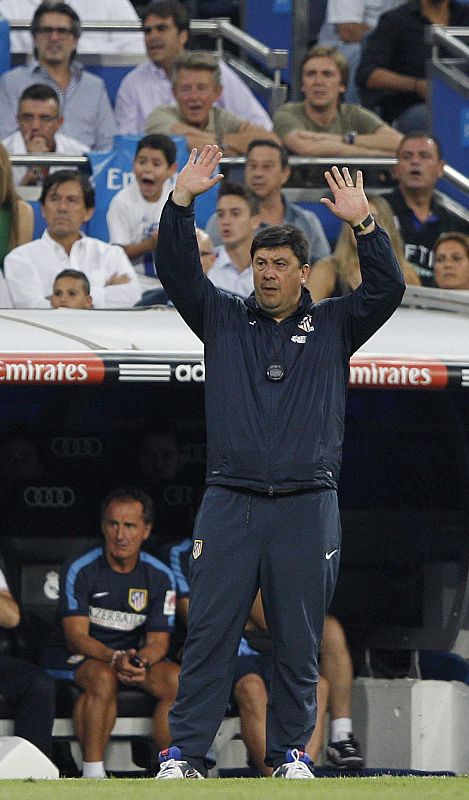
[76, 447]
[49, 496]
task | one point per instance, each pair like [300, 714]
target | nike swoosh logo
[253, 323]
[329, 555]
[100, 594]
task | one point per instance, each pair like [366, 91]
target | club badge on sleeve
[197, 548]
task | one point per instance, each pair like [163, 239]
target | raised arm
[177, 253]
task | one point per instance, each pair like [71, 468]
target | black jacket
[419, 238]
[398, 44]
[261, 434]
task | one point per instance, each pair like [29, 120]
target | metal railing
[221, 30]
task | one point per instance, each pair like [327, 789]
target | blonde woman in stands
[339, 273]
[16, 221]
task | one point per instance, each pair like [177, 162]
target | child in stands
[134, 213]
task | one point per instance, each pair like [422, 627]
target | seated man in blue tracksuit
[277, 370]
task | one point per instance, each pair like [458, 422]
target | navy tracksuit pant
[289, 546]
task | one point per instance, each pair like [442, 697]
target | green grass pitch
[383, 788]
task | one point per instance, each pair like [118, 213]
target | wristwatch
[363, 225]
[349, 137]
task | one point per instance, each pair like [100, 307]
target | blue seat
[4, 45]
[112, 77]
[329, 222]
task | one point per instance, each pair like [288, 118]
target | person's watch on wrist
[363, 225]
[349, 137]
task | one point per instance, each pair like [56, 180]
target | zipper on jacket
[271, 491]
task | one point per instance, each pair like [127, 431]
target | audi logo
[49, 496]
[76, 447]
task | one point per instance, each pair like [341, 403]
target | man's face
[418, 165]
[69, 292]
[278, 280]
[195, 91]
[451, 265]
[64, 210]
[151, 171]
[235, 221]
[163, 40]
[39, 121]
[322, 83]
[54, 40]
[263, 173]
[206, 250]
[124, 530]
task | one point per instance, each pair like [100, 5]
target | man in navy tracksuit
[277, 369]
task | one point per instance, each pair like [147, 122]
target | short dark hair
[240, 190]
[134, 495]
[165, 9]
[39, 91]
[64, 175]
[281, 149]
[420, 135]
[50, 7]
[159, 141]
[77, 275]
[282, 236]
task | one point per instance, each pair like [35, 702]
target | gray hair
[197, 59]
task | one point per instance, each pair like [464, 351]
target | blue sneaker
[172, 766]
[298, 766]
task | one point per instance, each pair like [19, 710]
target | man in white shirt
[166, 31]
[90, 11]
[39, 121]
[345, 26]
[67, 202]
[238, 219]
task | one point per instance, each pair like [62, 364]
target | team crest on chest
[138, 599]
[306, 323]
[197, 548]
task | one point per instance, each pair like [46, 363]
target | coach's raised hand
[197, 176]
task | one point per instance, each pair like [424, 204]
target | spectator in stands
[323, 125]
[85, 104]
[238, 220]
[71, 290]
[420, 216]
[207, 251]
[39, 122]
[116, 609]
[345, 27]
[197, 86]
[452, 261]
[134, 212]
[265, 173]
[339, 273]
[67, 202]
[166, 30]
[16, 216]
[391, 72]
[27, 689]
[250, 689]
[101, 42]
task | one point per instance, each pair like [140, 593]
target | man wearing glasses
[39, 123]
[84, 101]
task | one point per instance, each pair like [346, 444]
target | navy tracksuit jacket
[265, 438]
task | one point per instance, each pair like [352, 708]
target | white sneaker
[298, 766]
[173, 767]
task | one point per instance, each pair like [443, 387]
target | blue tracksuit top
[266, 435]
